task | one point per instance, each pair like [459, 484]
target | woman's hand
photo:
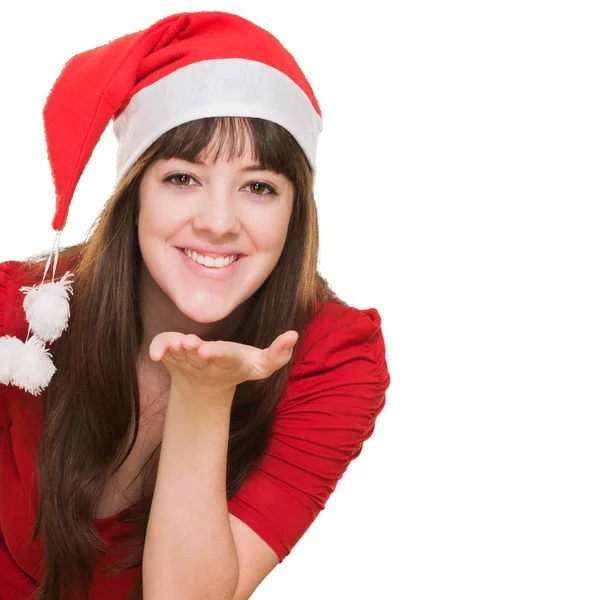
[218, 366]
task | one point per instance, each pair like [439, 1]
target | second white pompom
[32, 366]
[10, 346]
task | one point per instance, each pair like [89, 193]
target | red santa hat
[185, 67]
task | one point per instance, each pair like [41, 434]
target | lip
[211, 253]
[211, 272]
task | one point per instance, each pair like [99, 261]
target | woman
[191, 421]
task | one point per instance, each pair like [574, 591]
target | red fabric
[326, 412]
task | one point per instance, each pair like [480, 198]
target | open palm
[192, 361]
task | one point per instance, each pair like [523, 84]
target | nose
[217, 214]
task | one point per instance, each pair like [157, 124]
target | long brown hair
[92, 402]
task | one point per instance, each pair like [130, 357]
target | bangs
[228, 138]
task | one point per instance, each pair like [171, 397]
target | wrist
[201, 397]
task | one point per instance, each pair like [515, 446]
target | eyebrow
[249, 168]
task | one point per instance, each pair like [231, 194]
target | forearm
[189, 553]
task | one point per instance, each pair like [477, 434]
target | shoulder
[341, 354]
[8, 270]
[337, 331]
[12, 323]
[15, 274]
[11, 279]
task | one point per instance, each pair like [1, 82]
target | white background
[457, 194]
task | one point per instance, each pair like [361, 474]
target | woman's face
[222, 209]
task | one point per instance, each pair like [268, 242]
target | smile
[209, 261]
[224, 272]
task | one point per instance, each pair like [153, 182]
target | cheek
[157, 221]
[269, 234]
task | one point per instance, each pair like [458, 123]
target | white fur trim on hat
[212, 88]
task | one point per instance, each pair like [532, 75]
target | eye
[180, 177]
[255, 185]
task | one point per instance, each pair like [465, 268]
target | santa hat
[185, 67]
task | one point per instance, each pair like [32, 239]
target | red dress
[327, 410]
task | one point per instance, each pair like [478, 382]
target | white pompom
[9, 347]
[32, 366]
[47, 307]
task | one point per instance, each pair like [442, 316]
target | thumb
[289, 343]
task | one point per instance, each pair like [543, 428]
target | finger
[158, 350]
[175, 340]
[159, 345]
[281, 350]
[198, 354]
[155, 352]
[222, 354]
[191, 342]
[175, 348]
[287, 341]
[206, 350]
[220, 351]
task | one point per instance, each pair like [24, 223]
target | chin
[207, 314]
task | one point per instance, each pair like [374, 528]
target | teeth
[208, 261]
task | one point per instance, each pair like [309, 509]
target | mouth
[213, 272]
[237, 255]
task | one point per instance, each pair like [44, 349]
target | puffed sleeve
[4, 268]
[327, 412]
[2, 293]
[3, 277]
[9, 290]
